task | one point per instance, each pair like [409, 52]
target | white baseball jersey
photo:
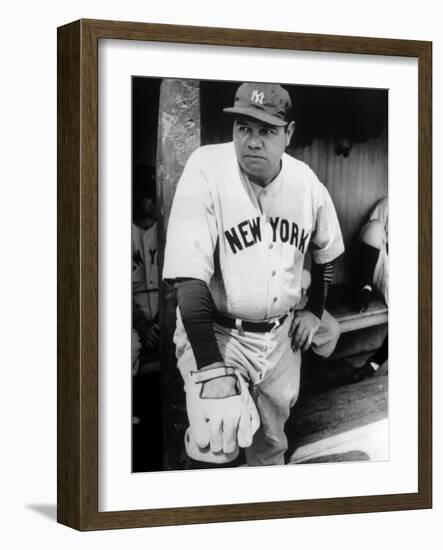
[145, 269]
[246, 242]
[380, 214]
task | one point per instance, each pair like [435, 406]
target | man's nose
[254, 142]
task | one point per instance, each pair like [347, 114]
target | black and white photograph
[260, 274]
[203, 204]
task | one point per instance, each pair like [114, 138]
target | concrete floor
[347, 423]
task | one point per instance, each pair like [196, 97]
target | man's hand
[149, 333]
[220, 388]
[152, 336]
[303, 328]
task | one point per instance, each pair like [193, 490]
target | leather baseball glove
[219, 426]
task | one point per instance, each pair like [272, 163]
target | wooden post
[178, 137]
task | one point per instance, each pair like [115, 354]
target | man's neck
[264, 183]
[144, 224]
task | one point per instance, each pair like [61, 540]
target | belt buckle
[239, 325]
[278, 321]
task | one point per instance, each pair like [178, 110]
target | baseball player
[373, 255]
[374, 272]
[243, 218]
[145, 334]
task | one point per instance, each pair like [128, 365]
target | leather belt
[248, 326]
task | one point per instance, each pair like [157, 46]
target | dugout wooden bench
[340, 307]
[361, 333]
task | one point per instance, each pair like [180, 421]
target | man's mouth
[254, 157]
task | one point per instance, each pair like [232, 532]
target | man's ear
[289, 131]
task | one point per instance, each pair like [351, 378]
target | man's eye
[243, 129]
[267, 132]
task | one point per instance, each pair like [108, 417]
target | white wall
[28, 274]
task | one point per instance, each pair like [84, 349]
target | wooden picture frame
[78, 274]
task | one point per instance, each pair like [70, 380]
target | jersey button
[273, 273]
[275, 299]
[271, 246]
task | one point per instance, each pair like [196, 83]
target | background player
[146, 386]
[373, 262]
[145, 335]
[244, 216]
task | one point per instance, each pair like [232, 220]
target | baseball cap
[266, 102]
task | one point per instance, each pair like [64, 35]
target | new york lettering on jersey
[249, 232]
[145, 269]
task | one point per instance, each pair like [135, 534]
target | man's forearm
[196, 307]
[321, 278]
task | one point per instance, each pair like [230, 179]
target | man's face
[259, 147]
[145, 214]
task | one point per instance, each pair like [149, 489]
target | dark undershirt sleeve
[321, 278]
[368, 258]
[196, 307]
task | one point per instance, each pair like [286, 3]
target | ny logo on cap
[257, 97]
